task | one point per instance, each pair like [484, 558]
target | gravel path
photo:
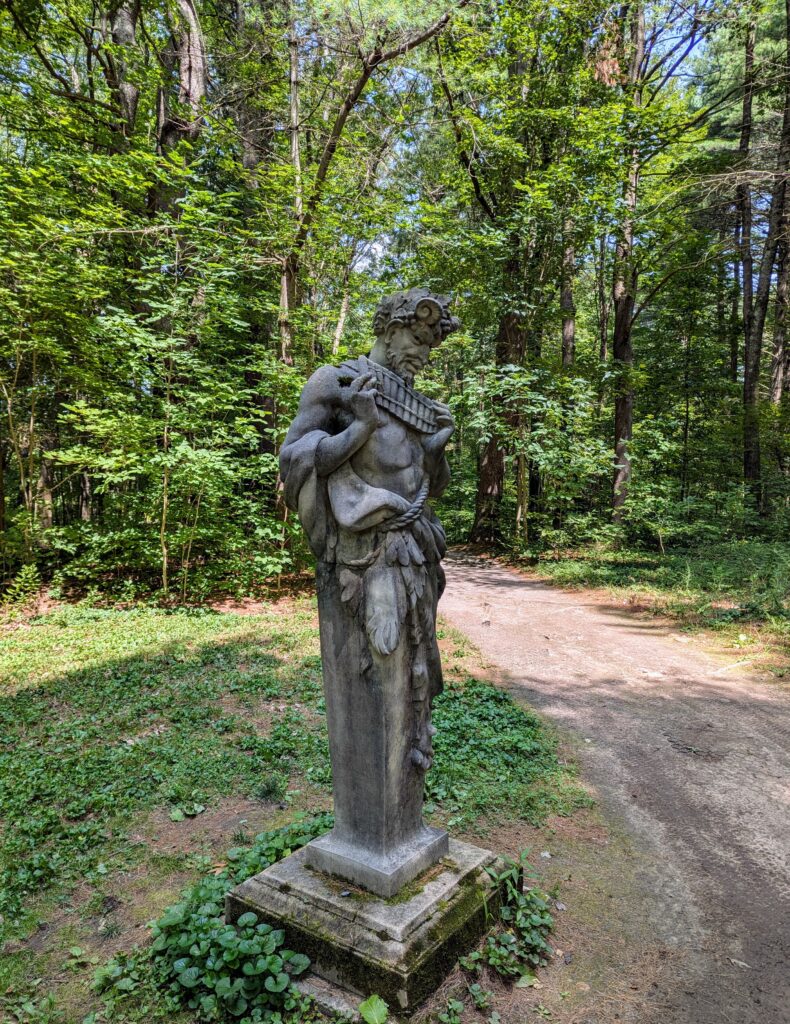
[687, 754]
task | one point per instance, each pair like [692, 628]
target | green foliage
[148, 367]
[519, 942]
[742, 580]
[374, 1010]
[493, 756]
[117, 712]
[217, 970]
[452, 1012]
[25, 585]
[481, 997]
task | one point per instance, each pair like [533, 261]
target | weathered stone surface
[382, 873]
[400, 948]
[361, 460]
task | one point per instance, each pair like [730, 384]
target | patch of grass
[107, 716]
[495, 758]
[753, 574]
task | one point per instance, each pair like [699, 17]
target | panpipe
[395, 396]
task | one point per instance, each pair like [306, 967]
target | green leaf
[276, 982]
[173, 916]
[374, 1010]
[298, 963]
[190, 977]
[223, 987]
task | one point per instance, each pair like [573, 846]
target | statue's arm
[319, 404]
[439, 475]
[436, 461]
[333, 451]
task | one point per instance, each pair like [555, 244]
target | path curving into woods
[687, 755]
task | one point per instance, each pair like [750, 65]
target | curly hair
[416, 306]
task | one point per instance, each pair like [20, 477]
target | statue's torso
[392, 458]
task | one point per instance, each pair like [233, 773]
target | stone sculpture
[361, 460]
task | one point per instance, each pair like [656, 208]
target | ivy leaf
[173, 916]
[374, 1010]
[298, 963]
[224, 987]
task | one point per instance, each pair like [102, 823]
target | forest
[201, 202]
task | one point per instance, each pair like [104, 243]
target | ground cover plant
[198, 962]
[115, 718]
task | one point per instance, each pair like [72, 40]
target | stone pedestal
[399, 948]
[382, 873]
[375, 708]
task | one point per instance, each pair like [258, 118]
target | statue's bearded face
[408, 349]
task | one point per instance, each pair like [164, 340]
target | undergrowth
[494, 756]
[742, 580]
[110, 715]
[216, 970]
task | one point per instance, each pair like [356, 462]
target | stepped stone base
[400, 948]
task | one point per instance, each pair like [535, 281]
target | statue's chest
[392, 445]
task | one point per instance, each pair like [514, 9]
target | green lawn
[122, 728]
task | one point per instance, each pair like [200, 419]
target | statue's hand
[435, 444]
[362, 400]
[444, 417]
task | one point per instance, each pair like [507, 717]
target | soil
[675, 892]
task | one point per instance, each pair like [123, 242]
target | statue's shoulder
[323, 385]
[325, 382]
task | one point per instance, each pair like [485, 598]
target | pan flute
[396, 397]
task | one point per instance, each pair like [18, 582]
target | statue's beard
[400, 364]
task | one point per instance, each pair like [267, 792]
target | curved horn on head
[428, 311]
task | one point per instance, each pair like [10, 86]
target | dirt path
[688, 757]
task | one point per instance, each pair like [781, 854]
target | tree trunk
[756, 326]
[624, 297]
[778, 382]
[751, 435]
[734, 326]
[490, 485]
[624, 288]
[85, 497]
[603, 301]
[296, 156]
[341, 320]
[123, 25]
[566, 298]
[487, 527]
[188, 57]
[289, 278]
[45, 504]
